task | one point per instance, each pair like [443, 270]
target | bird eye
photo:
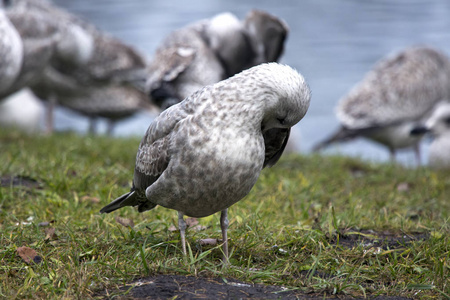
[282, 120]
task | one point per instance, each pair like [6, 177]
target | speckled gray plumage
[11, 52]
[401, 87]
[89, 71]
[438, 124]
[396, 94]
[206, 153]
[122, 101]
[210, 50]
[182, 65]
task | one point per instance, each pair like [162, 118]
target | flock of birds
[64, 60]
[227, 106]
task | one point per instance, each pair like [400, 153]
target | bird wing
[399, 88]
[114, 60]
[151, 160]
[275, 140]
[153, 154]
[183, 63]
[167, 65]
[175, 54]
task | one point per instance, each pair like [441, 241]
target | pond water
[333, 43]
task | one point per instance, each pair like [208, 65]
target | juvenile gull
[38, 36]
[438, 124]
[204, 154]
[211, 50]
[89, 71]
[392, 98]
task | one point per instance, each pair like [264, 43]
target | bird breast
[210, 169]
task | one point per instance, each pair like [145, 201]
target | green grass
[287, 231]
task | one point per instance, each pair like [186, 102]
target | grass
[288, 231]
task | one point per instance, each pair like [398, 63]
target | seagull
[11, 52]
[210, 50]
[205, 153]
[438, 124]
[393, 98]
[90, 71]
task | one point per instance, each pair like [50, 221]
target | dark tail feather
[128, 199]
[343, 134]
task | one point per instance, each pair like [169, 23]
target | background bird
[393, 98]
[85, 66]
[38, 36]
[210, 50]
[204, 154]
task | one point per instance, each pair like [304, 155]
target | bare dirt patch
[382, 239]
[18, 180]
[190, 287]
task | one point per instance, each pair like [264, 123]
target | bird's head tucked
[286, 96]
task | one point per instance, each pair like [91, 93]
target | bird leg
[417, 153]
[392, 155]
[92, 125]
[182, 225]
[110, 127]
[224, 226]
[49, 120]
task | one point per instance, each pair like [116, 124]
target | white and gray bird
[205, 153]
[38, 37]
[438, 125]
[11, 52]
[88, 71]
[393, 98]
[211, 50]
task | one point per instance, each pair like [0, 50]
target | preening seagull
[205, 153]
[392, 98]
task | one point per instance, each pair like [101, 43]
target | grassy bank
[318, 224]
